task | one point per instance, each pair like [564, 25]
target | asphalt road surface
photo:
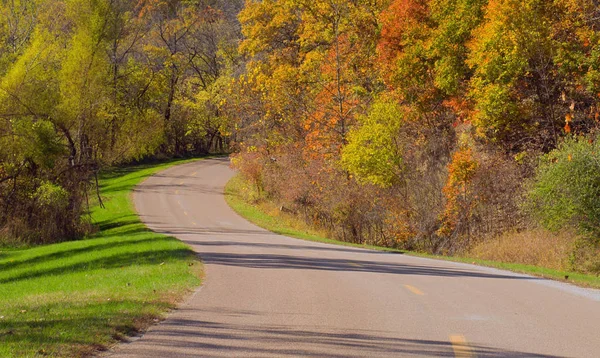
[266, 295]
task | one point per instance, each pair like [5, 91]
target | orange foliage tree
[458, 191]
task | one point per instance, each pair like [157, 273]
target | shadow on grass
[112, 173]
[47, 326]
[108, 262]
[65, 254]
[117, 172]
[120, 172]
[124, 220]
[215, 339]
[91, 244]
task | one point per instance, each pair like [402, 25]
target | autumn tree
[347, 34]
[310, 74]
[526, 88]
[188, 44]
[52, 101]
[17, 22]
[80, 89]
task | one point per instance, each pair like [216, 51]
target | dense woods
[86, 84]
[431, 125]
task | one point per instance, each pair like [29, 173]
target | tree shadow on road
[317, 246]
[272, 261]
[185, 337]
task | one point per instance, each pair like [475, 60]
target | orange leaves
[567, 128]
[462, 168]
[569, 119]
[147, 7]
[460, 107]
[336, 103]
[458, 191]
[396, 21]
[398, 223]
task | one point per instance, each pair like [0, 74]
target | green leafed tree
[566, 189]
[374, 150]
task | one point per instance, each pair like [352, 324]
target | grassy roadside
[75, 298]
[268, 217]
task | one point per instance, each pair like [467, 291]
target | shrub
[566, 188]
[51, 197]
[498, 190]
[250, 164]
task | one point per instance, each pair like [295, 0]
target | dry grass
[239, 192]
[536, 247]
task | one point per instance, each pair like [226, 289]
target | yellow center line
[414, 290]
[355, 264]
[461, 347]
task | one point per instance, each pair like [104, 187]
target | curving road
[268, 295]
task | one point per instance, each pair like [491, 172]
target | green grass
[240, 197]
[75, 298]
[576, 278]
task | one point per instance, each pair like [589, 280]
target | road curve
[266, 295]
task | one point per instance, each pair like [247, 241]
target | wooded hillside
[424, 124]
[431, 125]
[86, 84]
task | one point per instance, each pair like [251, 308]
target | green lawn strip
[75, 298]
[575, 278]
[284, 226]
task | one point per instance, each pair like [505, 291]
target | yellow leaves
[520, 157]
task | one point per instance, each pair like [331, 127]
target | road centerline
[269, 295]
[460, 346]
[414, 290]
